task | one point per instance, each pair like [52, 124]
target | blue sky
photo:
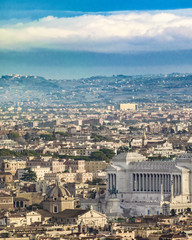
[80, 38]
[94, 5]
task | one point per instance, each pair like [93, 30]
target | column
[149, 182]
[174, 184]
[115, 179]
[169, 183]
[157, 183]
[133, 181]
[109, 181]
[178, 185]
[180, 188]
[137, 182]
[160, 181]
[165, 182]
[144, 182]
[152, 181]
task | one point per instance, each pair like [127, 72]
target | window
[55, 209]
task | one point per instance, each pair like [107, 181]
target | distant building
[20, 202]
[89, 218]
[13, 165]
[94, 166]
[6, 177]
[128, 106]
[6, 201]
[80, 151]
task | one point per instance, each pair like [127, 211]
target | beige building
[57, 199]
[128, 106]
[6, 201]
[77, 177]
[75, 151]
[13, 165]
[33, 217]
[6, 177]
[40, 171]
[94, 166]
[75, 166]
[89, 218]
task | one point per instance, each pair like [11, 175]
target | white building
[151, 187]
[41, 171]
[32, 217]
[166, 150]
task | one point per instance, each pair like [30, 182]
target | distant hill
[100, 89]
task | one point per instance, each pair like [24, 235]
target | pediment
[112, 168]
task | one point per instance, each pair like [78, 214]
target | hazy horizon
[74, 39]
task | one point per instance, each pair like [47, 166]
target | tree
[108, 152]
[95, 181]
[123, 149]
[47, 137]
[188, 210]
[98, 156]
[27, 136]
[13, 135]
[99, 138]
[173, 212]
[29, 175]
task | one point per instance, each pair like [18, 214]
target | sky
[81, 38]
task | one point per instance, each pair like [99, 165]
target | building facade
[151, 187]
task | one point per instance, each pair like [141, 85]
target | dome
[58, 191]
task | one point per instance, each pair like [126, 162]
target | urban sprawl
[111, 170]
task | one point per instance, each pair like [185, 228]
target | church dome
[58, 191]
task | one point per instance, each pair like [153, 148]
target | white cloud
[120, 32]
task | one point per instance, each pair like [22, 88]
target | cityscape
[95, 120]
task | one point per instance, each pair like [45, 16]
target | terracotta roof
[2, 194]
[20, 199]
[71, 213]
[44, 213]
[5, 173]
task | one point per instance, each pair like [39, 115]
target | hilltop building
[128, 106]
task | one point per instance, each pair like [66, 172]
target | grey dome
[58, 191]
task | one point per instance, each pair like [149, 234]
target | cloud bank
[115, 33]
